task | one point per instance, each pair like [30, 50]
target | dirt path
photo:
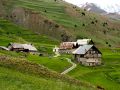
[56, 55]
[71, 68]
[69, 60]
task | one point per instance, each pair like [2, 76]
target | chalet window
[81, 55]
[93, 51]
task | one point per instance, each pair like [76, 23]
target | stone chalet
[88, 55]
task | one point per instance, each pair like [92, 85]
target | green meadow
[15, 80]
[30, 75]
[107, 75]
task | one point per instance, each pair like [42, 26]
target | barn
[22, 47]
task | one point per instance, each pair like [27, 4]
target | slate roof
[82, 49]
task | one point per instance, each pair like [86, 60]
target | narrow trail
[71, 68]
[56, 55]
[69, 60]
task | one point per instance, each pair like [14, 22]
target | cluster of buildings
[83, 50]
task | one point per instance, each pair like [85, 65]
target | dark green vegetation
[106, 75]
[62, 20]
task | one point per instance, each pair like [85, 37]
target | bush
[83, 24]
[92, 22]
[56, 25]
[106, 42]
[75, 25]
[83, 13]
[45, 11]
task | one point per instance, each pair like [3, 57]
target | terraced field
[11, 33]
[62, 19]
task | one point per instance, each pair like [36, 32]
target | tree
[83, 13]
[106, 42]
[109, 45]
[83, 24]
[75, 25]
[104, 32]
[92, 22]
[45, 11]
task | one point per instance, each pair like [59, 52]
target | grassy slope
[20, 81]
[106, 75]
[58, 64]
[12, 33]
[68, 16]
[17, 74]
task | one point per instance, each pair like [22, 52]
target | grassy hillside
[106, 75]
[12, 33]
[58, 64]
[62, 21]
[20, 81]
[20, 74]
[45, 23]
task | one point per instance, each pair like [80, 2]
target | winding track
[71, 68]
[69, 60]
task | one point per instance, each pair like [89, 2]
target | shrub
[104, 24]
[83, 24]
[96, 21]
[109, 45]
[75, 25]
[83, 13]
[56, 25]
[92, 22]
[104, 31]
[45, 11]
[106, 42]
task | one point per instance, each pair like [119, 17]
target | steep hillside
[62, 20]
[9, 32]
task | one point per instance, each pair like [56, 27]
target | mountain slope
[62, 21]
[10, 32]
[94, 8]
